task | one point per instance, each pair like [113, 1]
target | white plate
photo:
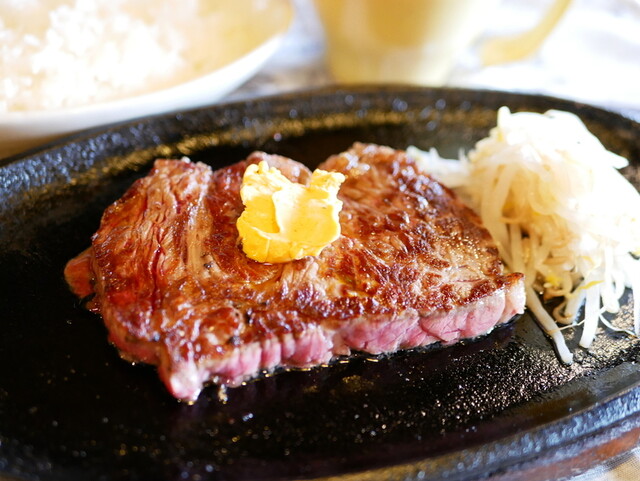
[23, 130]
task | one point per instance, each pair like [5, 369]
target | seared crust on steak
[413, 266]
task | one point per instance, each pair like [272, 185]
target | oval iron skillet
[71, 409]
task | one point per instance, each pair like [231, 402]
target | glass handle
[516, 47]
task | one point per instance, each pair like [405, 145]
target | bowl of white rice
[69, 65]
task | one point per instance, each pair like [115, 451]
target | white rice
[67, 53]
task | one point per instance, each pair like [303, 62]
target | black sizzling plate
[71, 409]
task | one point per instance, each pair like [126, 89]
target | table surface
[592, 56]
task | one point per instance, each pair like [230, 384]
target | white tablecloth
[592, 56]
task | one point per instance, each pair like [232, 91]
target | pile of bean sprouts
[560, 212]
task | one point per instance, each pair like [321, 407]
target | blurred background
[592, 55]
[69, 65]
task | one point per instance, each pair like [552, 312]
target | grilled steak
[413, 266]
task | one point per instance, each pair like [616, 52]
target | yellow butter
[283, 220]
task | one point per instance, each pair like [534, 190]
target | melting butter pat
[284, 220]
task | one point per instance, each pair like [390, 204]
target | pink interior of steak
[413, 266]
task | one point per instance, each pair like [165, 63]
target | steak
[166, 271]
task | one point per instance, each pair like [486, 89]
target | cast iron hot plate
[70, 409]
